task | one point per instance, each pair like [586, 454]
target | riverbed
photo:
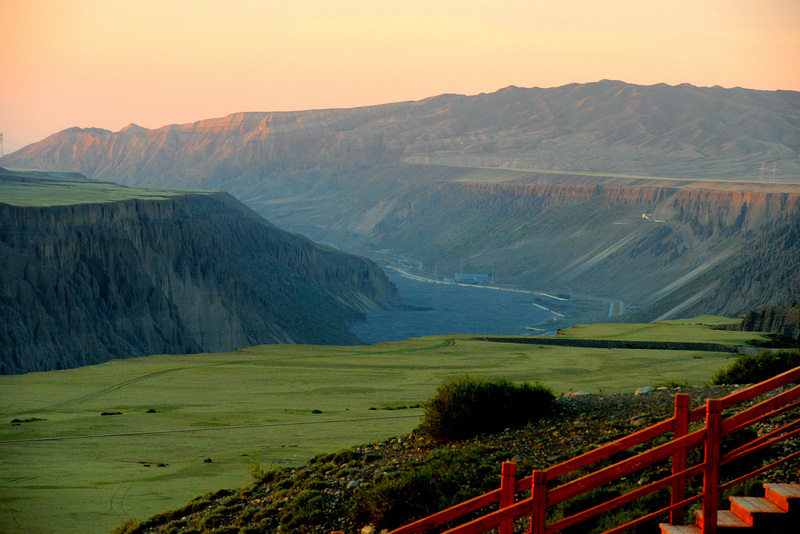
[431, 307]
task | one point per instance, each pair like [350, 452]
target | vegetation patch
[467, 407]
[751, 369]
[444, 479]
[26, 420]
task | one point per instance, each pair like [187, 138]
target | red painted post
[539, 504]
[508, 483]
[711, 476]
[677, 515]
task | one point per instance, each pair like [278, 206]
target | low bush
[752, 369]
[443, 480]
[466, 407]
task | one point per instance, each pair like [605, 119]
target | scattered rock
[151, 410]
[577, 393]
[368, 529]
[316, 411]
[111, 413]
[640, 421]
[353, 484]
[643, 390]
[207, 461]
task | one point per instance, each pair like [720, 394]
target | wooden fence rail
[533, 495]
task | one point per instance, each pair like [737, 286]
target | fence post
[539, 502]
[711, 475]
[508, 484]
[677, 515]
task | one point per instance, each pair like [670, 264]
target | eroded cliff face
[666, 251]
[781, 320]
[199, 272]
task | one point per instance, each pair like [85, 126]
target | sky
[109, 63]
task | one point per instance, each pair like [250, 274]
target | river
[430, 307]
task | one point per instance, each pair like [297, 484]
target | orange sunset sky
[108, 63]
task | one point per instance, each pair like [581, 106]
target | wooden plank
[760, 443]
[652, 515]
[631, 496]
[493, 520]
[746, 417]
[678, 490]
[620, 469]
[539, 502]
[601, 453]
[454, 512]
[711, 475]
[793, 375]
[508, 482]
[757, 472]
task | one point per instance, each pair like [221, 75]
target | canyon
[85, 282]
[675, 200]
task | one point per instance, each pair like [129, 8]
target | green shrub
[752, 369]
[443, 480]
[467, 407]
[128, 527]
[304, 511]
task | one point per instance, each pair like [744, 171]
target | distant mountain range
[606, 127]
[674, 200]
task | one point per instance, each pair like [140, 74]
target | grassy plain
[71, 469]
[522, 175]
[44, 188]
[697, 330]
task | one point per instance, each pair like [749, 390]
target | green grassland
[67, 468]
[697, 330]
[45, 188]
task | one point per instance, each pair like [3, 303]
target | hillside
[388, 484]
[95, 271]
[443, 181]
[279, 405]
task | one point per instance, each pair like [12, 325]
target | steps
[775, 513]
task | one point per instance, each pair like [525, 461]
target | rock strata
[85, 283]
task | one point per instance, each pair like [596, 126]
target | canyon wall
[663, 251]
[781, 320]
[85, 283]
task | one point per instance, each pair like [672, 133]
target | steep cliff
[84, 283]
[780, 320]
[668, 248]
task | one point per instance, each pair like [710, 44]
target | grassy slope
[104, 479]
[43, 188]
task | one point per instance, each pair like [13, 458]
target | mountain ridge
[662, 130]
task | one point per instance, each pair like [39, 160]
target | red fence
[532, 496]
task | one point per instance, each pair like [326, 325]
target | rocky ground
[334, 492]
